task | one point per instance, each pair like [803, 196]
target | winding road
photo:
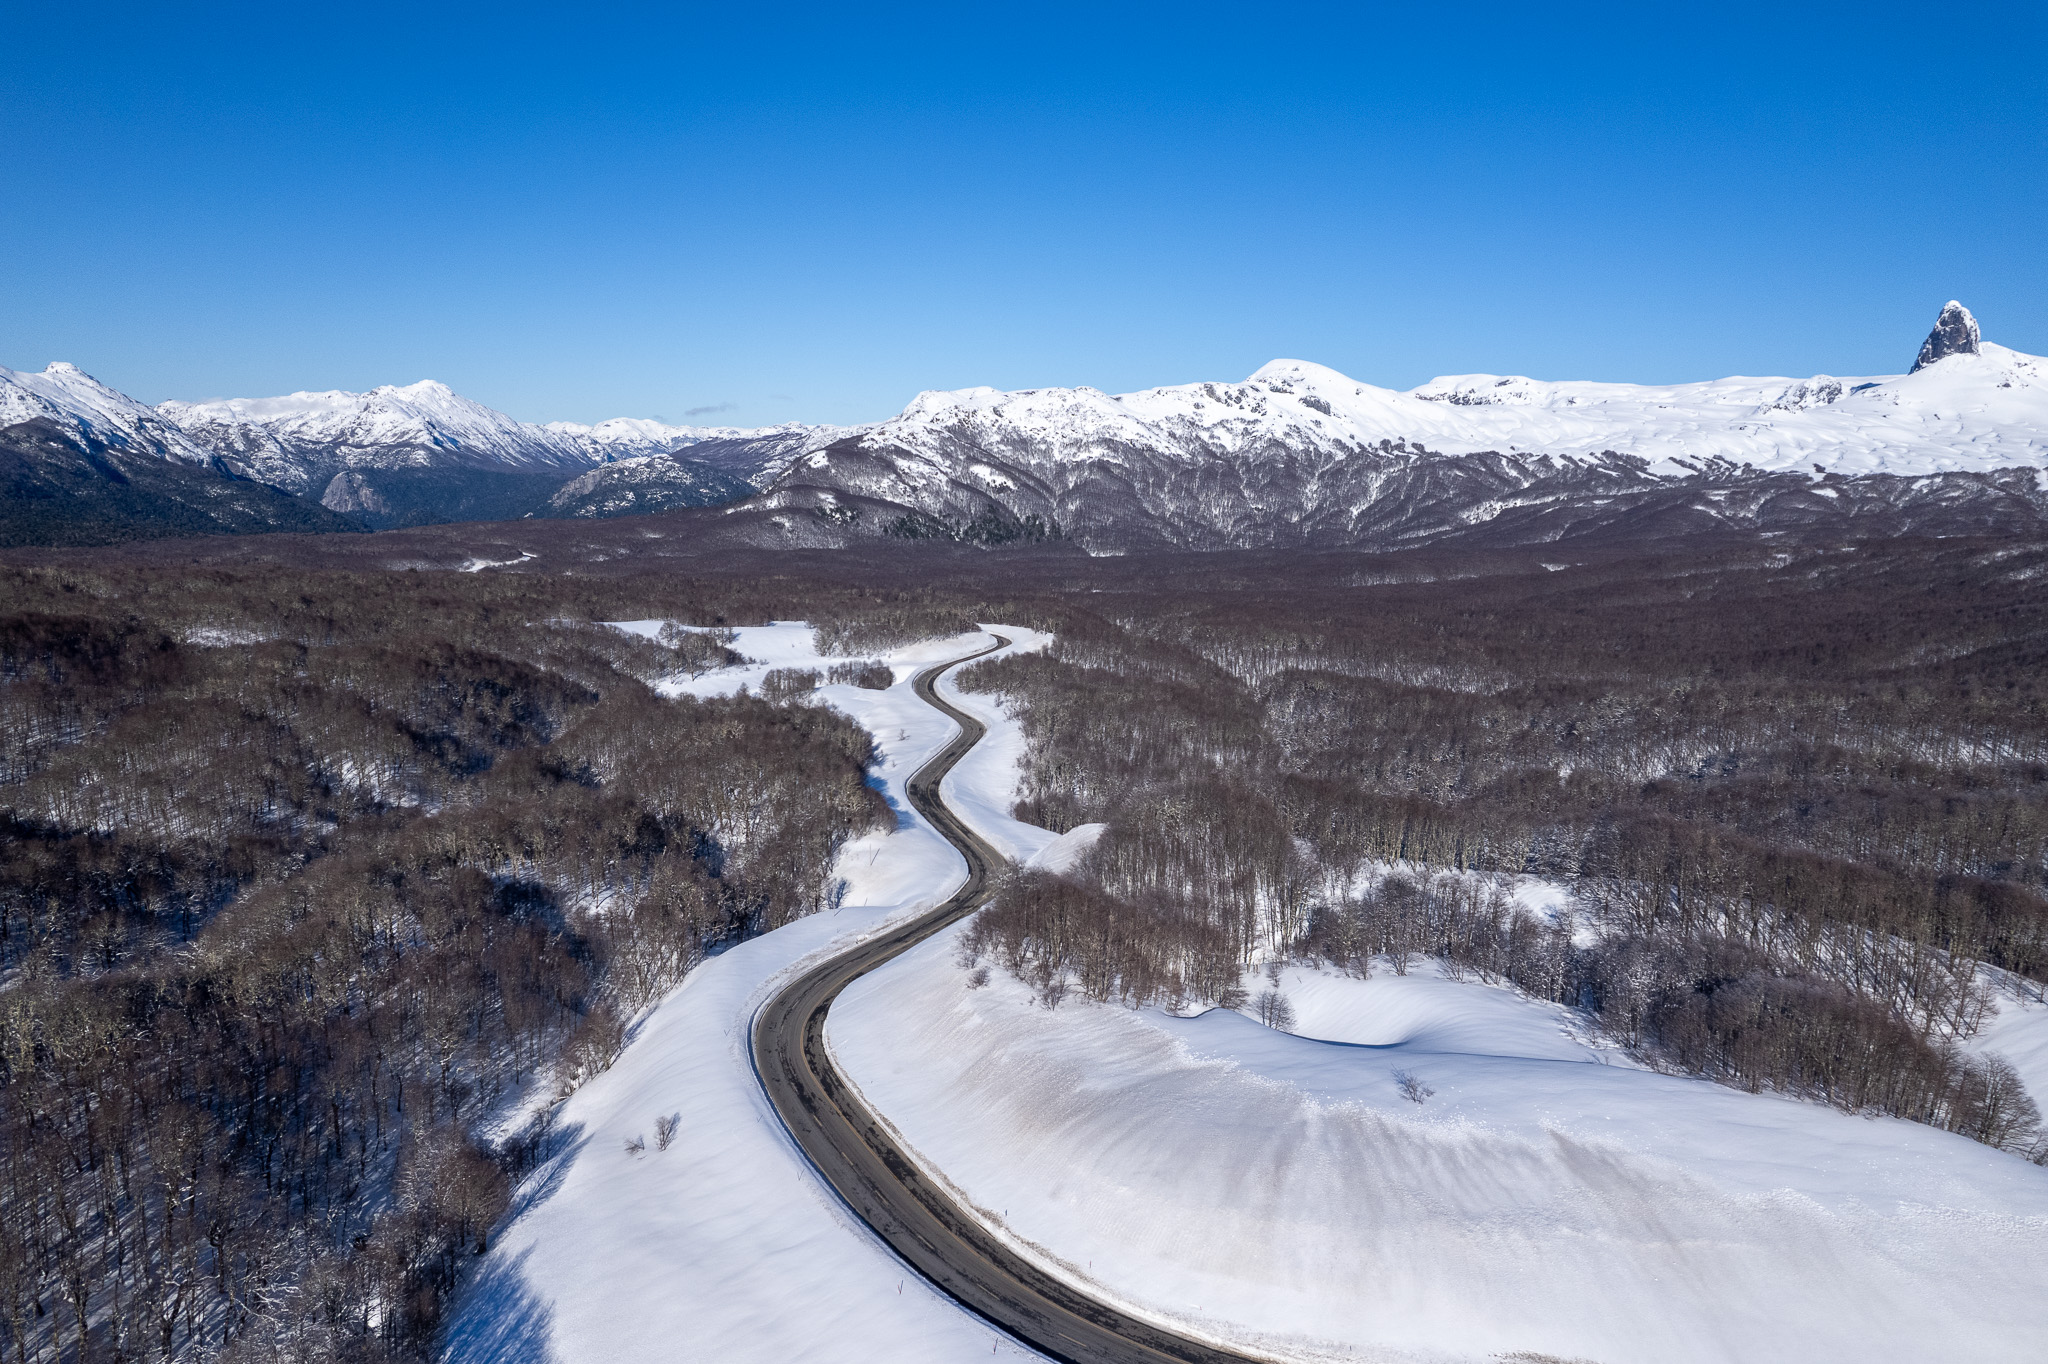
[854, 1153]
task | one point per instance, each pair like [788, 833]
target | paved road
[932, 1233]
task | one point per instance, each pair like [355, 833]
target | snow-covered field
[1279, 1191]
[725, 1246]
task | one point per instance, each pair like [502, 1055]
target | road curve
[855, 1154]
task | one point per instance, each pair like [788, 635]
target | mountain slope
[1302, 455]
[84, 411]
[419, 454]
[58, 487]
[301, 441]
[83, 464]
[756, 454]
[651, 483]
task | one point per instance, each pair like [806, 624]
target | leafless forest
[1798, 798]
[319, 877]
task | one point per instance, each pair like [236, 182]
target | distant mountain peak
[1955, 333]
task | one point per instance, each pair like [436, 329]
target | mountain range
[1297, 454]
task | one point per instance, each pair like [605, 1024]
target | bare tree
[1275, 1012]
[1412, 1087]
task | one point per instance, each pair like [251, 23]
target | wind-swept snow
[726, 1246]
[1280, 1192]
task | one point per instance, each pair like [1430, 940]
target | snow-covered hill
[1301, 453]
[645, 484]
[1279, 1191]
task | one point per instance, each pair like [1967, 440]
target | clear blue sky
[760, 212]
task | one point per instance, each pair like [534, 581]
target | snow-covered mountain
[302, 441]
[1299, 453]
[422, 453]
[647, 484]
[83, 464]
[80, 406]
[754, 453]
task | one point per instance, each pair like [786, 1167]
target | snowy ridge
[90, 412]
[1964, 412]
[299, 440]
[638, 437]
[1301, 455]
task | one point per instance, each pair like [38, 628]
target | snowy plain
[1267, 1190]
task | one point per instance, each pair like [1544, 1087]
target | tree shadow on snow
[504, 1320]
[904, 816]
[562, 1147]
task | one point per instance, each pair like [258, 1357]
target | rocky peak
[1955, 333]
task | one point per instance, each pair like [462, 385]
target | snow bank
[726, 1246]
[1278, 1191]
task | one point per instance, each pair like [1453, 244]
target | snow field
[1279, 1192]
[726, 1246]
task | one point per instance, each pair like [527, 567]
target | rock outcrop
[1955, 333]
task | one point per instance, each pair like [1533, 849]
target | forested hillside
[314, 890]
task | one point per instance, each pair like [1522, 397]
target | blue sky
[752, 214]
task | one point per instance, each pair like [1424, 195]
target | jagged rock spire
[1955, 333]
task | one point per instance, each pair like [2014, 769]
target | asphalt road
[928, 1230]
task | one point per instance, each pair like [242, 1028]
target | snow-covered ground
[726, 1246]
[1279, 1191]
[1547, 1198]
[792, 644]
